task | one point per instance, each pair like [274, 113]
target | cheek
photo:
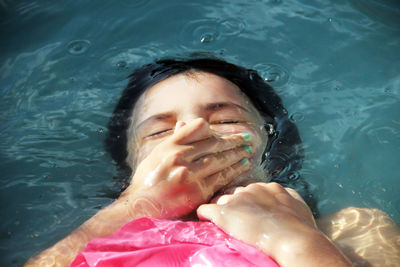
[144, 149]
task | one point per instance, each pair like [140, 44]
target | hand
[186, 169]
[275, 220]
[260, 213]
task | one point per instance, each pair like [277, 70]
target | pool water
[63, 65]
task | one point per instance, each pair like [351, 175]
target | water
[63, 65]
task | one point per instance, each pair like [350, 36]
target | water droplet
[296, 117]
[272, 73]
[78, 47]
[207, 38]
[340, 185]
[121, 64]
[203, 31]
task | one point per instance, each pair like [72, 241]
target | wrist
[308, 248]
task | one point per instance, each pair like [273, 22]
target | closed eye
[226, 122]
[159, 133]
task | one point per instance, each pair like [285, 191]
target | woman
[204, 136]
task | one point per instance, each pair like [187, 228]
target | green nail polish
[248, 149]
[217, 134]
[247, 137]
[244, 161]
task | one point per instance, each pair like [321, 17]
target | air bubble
[296, 117]
[272, 73]
[78, 47]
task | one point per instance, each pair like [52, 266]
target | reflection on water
[365, 232]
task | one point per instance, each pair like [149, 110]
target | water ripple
[78, 47]
[273, 74]
[116, 64]
[209, 31]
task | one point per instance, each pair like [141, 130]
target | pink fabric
[151, 242]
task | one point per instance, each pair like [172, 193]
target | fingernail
[244, 161]
[217, 134]
[247, 137]
[248, 149]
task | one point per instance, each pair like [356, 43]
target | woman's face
[184, 97]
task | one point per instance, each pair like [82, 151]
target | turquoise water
[63, 65]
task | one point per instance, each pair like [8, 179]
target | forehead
[189, 89]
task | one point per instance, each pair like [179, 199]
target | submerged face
[185, 97]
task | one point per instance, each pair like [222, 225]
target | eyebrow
[221, 105]
[208, 107]
[159, 117]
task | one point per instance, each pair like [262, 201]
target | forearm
[105, 222]
[313, 250]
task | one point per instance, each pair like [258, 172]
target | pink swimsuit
[151, 242]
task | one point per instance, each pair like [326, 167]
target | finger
[213, 163]
[295, 195]
[215, 145]
[216, 181]
[194, 131]
[208, 212]
[224, 199]
[239, 189]
[225, 191]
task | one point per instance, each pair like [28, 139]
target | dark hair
[284, 153]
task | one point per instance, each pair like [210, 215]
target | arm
[162, 186]
[369, 237]
[276, 221]
[105, 222]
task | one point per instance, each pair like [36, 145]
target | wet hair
[283, 154]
